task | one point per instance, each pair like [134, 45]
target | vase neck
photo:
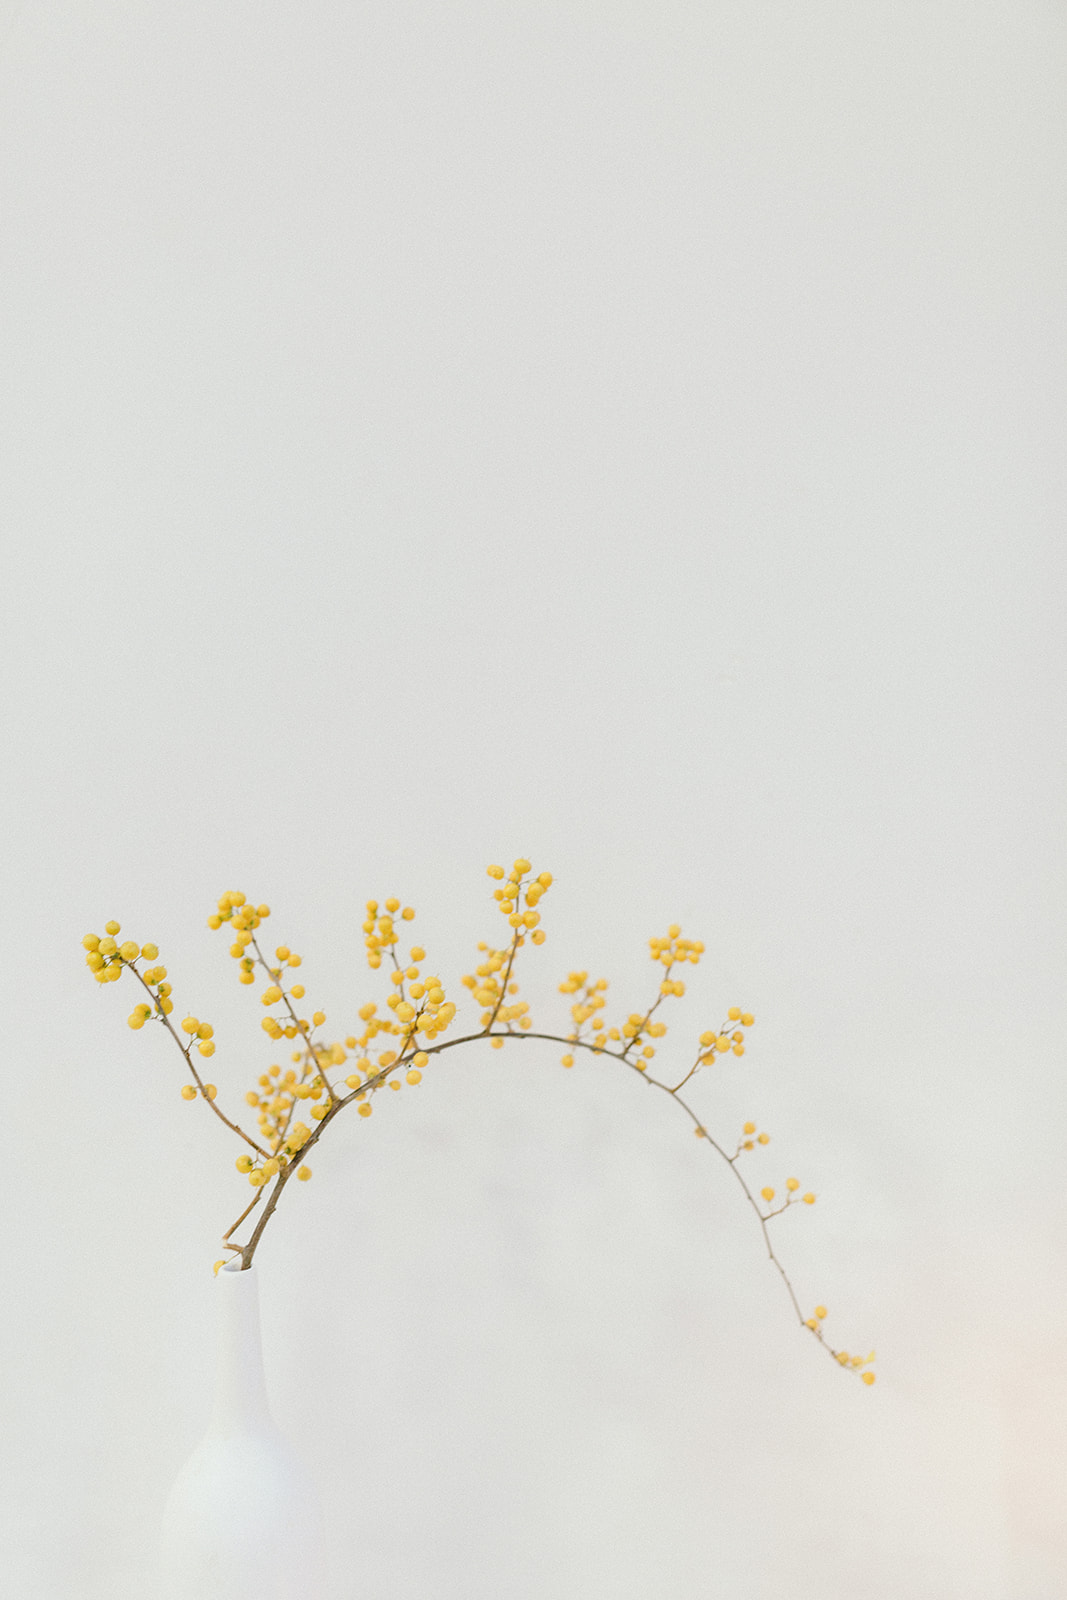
[240, 1389]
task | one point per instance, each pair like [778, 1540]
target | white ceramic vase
[243, 1521]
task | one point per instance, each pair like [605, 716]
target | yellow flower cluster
[673, 951]
[243, 919]
[632, 1033]
[486, 986]
[261, 1172]
[791, 1195]
[842, 1357]
[106, 958]
[380, 928]
[491, 984]
[591, 999]
[516, 892]
[717, 1041]
[747, 1142]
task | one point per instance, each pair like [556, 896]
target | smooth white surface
[243, 1515]
[629, 435]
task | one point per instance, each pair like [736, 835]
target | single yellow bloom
[768, 1194]
[303, 1173]
[189, 1092]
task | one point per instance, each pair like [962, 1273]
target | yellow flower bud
[768, 1194]
[190, 1025]
[207, 1048]
[820, 1312]
[189, 1092]
[303, 1173]
[244, 1163]
[112, 927]
[91, 941]
[129, 951]
[365, 1109]
[210, 1091]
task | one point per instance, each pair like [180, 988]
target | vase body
[242, 1521]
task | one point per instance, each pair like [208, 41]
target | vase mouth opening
[235, 1266]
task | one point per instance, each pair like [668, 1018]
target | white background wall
[629, 435]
